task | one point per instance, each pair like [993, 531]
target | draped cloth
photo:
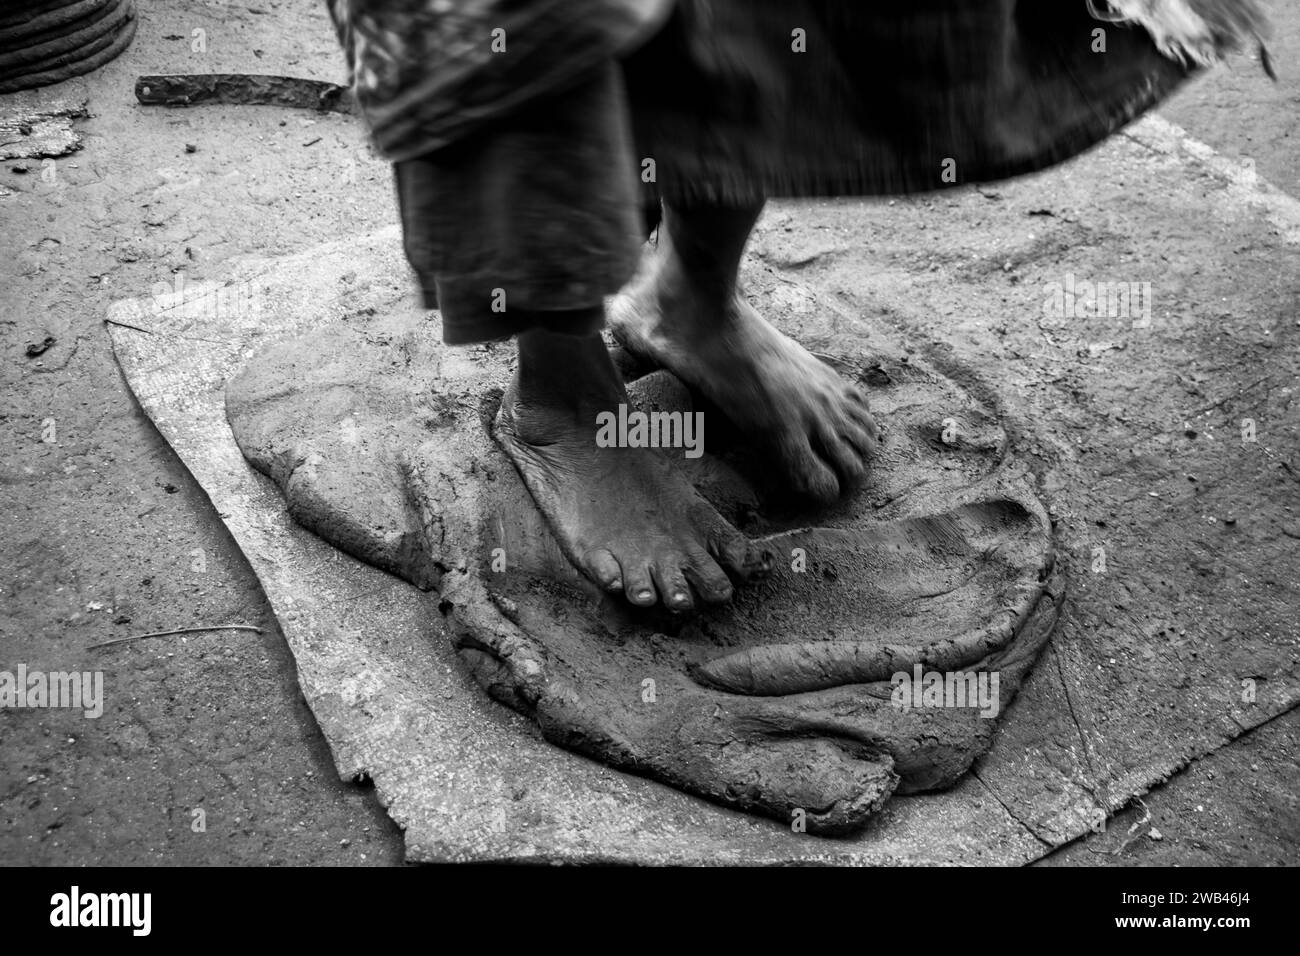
[430, 72]
[521, 126]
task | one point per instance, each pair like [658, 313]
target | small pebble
[1156, 835]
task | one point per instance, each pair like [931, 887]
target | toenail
[679, 597]
[643, 593]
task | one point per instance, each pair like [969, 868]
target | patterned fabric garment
[429, 72]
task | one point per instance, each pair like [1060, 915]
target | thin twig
[180, 630]
[188, 338]
[128, 325]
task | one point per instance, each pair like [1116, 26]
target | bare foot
[815, 423]
[623, 516]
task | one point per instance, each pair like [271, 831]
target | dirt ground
[107, 536]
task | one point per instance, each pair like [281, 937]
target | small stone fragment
[39, 348]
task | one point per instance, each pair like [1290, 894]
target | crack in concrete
[1069, 702]
[1011, 813]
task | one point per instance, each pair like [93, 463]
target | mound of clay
[878, 657]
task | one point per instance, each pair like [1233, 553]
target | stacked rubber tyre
[46, 41]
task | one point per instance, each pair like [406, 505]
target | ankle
[572, 372]
[709, 243]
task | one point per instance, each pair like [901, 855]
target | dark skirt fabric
[535, 184]
[881, 97]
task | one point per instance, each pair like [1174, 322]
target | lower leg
[568, 373]
[702, 247]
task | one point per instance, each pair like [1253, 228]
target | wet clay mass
[877, 657]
